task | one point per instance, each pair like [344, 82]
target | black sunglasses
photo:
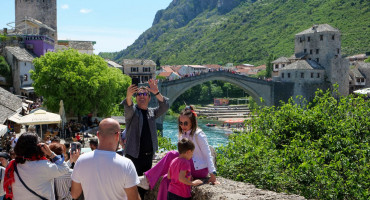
[142, 94]
[183, 123]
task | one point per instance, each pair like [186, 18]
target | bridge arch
[254, 87]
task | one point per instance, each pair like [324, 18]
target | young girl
[179, 172]
[201, 163]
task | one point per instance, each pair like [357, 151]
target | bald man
[103, 174]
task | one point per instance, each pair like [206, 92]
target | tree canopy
[5, 70]
[84, 82]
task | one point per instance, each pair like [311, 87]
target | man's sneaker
[144, 183]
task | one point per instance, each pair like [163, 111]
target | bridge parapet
[212, 74]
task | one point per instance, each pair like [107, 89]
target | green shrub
[319, 151]
[164, 144]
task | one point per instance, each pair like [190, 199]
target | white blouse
[202, 156]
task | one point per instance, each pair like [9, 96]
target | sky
[113, 24]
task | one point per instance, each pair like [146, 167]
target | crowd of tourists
[120, 163]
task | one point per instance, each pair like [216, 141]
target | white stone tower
[44, 11]
[322, 43]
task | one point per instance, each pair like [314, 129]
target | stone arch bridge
[270, 91]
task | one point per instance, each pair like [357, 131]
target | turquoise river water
[216, 136]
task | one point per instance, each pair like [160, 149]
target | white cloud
[85, 11]
[65, 6]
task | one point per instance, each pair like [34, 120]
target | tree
[84, 82]
[158, 64]
[269, 65]
[5, 70]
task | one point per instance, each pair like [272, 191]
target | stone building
[21, 62]
[44, 11]
[114, 64]
[137, 68]
[86, 47]
[10, 104]
[279, 64]
[356, 79]
[316, 63]
[322, 43]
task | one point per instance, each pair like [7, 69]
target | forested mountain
[244, 31]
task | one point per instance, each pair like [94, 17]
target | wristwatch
[156, 93]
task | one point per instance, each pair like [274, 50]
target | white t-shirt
[104, 175]
[39, 176]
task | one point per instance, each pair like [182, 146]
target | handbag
[29, 189]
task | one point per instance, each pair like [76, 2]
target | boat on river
[210, 125]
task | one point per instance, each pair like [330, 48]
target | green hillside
[244, 31]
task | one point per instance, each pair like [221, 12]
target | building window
[282, 65]
[134, 69]
[25, 77]
[308, 39]
[338, 51]
[300, 40]
[276, 66]
[310, 51]
[146, 69]
[317, 60]
[305, 50]
[318, 75]
[302, 75]
[288, 75]
[311, 74]
[317, 51]
[333, 37]
[321, 37]
[282, 75]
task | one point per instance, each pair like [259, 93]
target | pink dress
[176, 187]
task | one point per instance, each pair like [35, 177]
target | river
[216, 136]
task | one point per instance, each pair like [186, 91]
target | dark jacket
[134, 125]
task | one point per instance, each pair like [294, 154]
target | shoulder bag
[29, 189]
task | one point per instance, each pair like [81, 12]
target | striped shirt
[63, 185]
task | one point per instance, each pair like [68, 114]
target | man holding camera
[103, 174]
[141, 135]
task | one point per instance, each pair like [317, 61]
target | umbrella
[3, 129]
[62, 114]
[40, 117]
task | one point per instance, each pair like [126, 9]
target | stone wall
[230, 190]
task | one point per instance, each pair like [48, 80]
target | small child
[179, 172]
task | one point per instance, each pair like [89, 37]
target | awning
[365, 91]
[27, 89]
[230, 121]
[28, 101]
[15, 118]
[3, 129]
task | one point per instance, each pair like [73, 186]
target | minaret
[44, 11]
